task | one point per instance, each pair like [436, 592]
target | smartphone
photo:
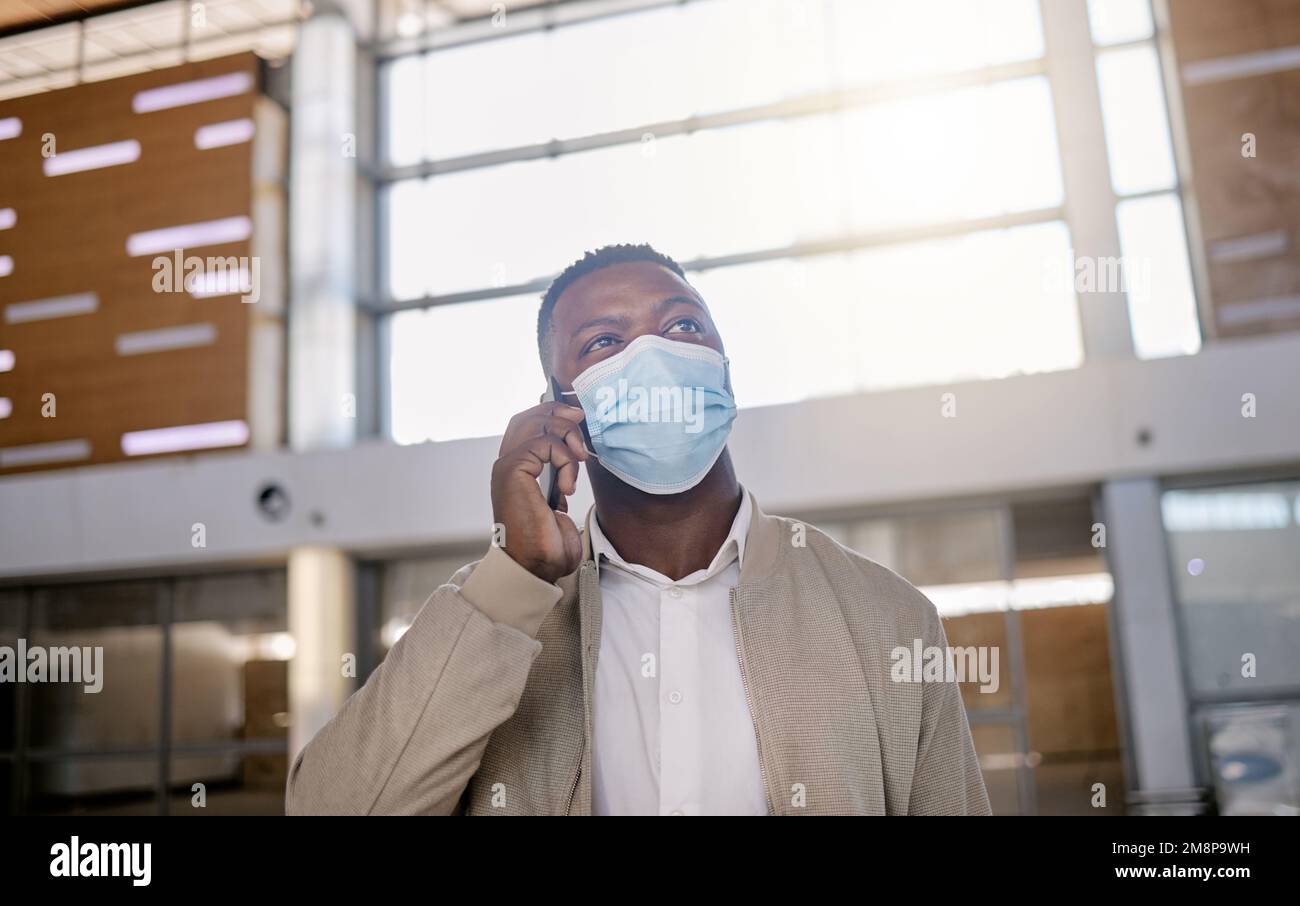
[550, 480]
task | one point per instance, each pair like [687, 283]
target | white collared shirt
[672, 726]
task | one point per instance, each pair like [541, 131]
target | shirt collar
[733, 547]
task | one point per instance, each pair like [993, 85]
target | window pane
[1237, 580]
[1158, 277]
[880, 40]
[407, 584]
[749, 52]
[621, 72]
[1136, 121]
[970, 153]
[1117, 21]
[405, 111]
[728, 190]
[408, 242]
[230, 667]
[463, 370]
[956, 309]
[115, 623]
[682, 60]
[510, 101]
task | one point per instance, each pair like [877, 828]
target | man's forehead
[626, 281]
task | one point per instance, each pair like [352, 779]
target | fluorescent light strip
[6, 407]
[10, 127]
[43, 454]
[95, 157]
[187, 336]
[196, 92]
[8, 217]
[219, 135]
[1021, 594]
[6, 265]
[185, 437]
[1241, 66]
[6, 360]
[1191, 511]
[1250, 248]
[1279, 308]
[191, 235]
[222, 283]
[55, 307]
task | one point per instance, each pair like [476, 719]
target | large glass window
[172, 697]
[1144, 178]
[874, 199]
[1022, 581]
[1236, 576]
[1232, 555]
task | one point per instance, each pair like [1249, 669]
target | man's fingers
[552, 418]
[564, 410]
[536, 452]
[570, 434]
[568, 478]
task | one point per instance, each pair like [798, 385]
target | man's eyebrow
[606, 321]
[663, 304]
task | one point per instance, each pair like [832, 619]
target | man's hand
[541, 540]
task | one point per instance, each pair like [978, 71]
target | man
[685, 653]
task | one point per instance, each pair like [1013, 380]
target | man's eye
[599, 343]
[684, 325]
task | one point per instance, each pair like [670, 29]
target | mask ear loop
[585, 445]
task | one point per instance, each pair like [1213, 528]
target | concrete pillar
[322, 605]
[323, 235]
[1146, 648]
[324, 281]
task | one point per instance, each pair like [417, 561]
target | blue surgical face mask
[658, 413]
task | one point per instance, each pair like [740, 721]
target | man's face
[599, 314]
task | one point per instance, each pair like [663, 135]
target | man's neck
[673, 534]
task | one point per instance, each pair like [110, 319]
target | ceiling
[21, 14]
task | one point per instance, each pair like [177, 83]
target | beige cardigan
[484, 705]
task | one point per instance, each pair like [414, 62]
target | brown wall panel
[71, 238]
[1243, 197]
[1206, 29]
[1068, 680]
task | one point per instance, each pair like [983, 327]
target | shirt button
[675, 592]
[675, 697]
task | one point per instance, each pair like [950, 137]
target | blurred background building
[1011, 289]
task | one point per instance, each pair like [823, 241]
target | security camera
[273, 502]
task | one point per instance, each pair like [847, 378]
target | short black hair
[589, 263]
